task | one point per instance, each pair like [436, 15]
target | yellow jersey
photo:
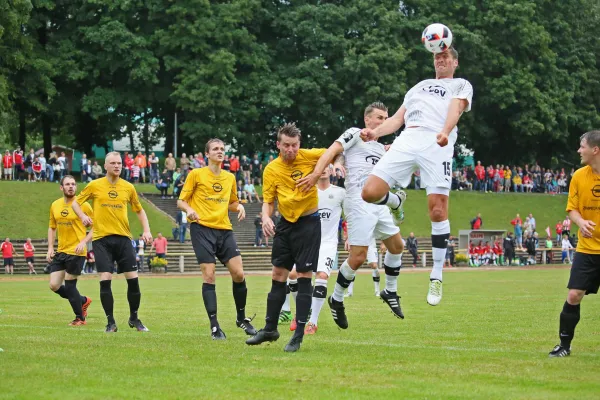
[210, 196]
[279, 182]
[68, 226]
[584, 196]
[110, 206]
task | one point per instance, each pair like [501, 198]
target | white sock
[376, 283]
[286, 304]
[293, 284]
[317, 302]
[351, 288]
[438, 254]
[349, 274]
[391, 200]
[392, 264]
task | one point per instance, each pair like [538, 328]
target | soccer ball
[437, 38]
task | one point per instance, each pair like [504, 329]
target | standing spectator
[562, 184]
[163, 183]
[184, 163]
[558, 228]
[226, 164]
[245, 164]
[8, 251]
[62, 163]
[251, 191]
[412, 245]
[170, 165]
[199, 161]
[450, 252]
[36, 167]
[28, 253]
[257, 170]
[530, 245]
[96, 171]
[82, 165]
[135, 173]
[509, 248]
[42, 160]
[527, 228]
[141, 246]
[258, 237]
[234, 166]
[128, 167]
[50, 167]
[549, 255]
[89, 171]
[566, 230]
[517, 183]
[566, 247]
[479, 177]
[7, 165]
[176, 175]
[178, 185]
[18, 162]
[182, 222]
[477, 222]
[28, 165]
[532, 222]
[153, 166]
[519, 236]
[140, 161]
[277, 216]
[516, 220]
[161, 246]
[507, 179]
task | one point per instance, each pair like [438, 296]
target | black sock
[83, 299]
[275, 300]
[106, 298]
[62, 292]
[569, 317]
[209, 295]
[74, 298]
[133, 297]
[240, 292]
[303, 302]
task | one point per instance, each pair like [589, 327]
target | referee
[112, 236]
[66, 264]
[584, 209]
[207, 197]
[297, 235]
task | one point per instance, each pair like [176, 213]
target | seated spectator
[527, 183]
[517, 183]
[96, 171]
[240, 191]
[251, 191]
[36, 167]
[177, 173]
[163, 183]
[464, 183]
[178, 185]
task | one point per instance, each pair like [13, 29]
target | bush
[461, 259]
[158, 264]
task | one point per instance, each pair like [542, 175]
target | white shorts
[416, 148]
[367, 222]
[372, 256]
[327, 257]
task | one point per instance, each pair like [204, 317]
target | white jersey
[428, 101]
[361, 157]
[330, 211]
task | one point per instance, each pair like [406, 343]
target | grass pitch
[488, 339]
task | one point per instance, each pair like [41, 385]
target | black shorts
[297, 243]
[67, 262]
[585, 273]
[113, 248]
[9, 261]
[210, 244]
[29, 259]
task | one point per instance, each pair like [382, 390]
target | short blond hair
[112, 153]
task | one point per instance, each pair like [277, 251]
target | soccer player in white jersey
[373, 262]
[430, 112]
[365, 220]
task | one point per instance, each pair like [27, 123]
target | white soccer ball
[437, 38]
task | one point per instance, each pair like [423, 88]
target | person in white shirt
[140, 254]
[251, 191]
[566, 247]
[532, 222]
[365, 221]
[42, 160]
[430, 112]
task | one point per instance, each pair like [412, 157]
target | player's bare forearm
[457, 106]
[268, 209]
[143, 218]
[51, 238]
[77, 208]
[184, 206]
[391, 124]
[575, 217]
[233, 207]
[88, 237]
[332, 152]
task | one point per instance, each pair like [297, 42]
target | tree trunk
[146, 139]
[47, 134]
[22, 127]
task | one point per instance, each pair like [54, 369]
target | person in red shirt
[472, 255]
[7, 165]
[18, 160]
[497, 251]
[527, 185]
[489, 183]
[160, 245]
[477, 222]
[479, 176]
[36, 167]
[486, 253]
[234, 166]
[8, 251]
[28, 250]
[478, 251]
[559, 230]
[128, 161]
[517, 220]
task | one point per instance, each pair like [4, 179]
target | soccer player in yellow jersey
[66, 264]
[584, 209]
[112, 236]
[207, 197]
[297, 236]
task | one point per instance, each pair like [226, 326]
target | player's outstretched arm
[390, 125]
[310, 180]
[268, 226]
[143, 218]
[87, 221]
[457, 107]
[51, 237]
[184, 206]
